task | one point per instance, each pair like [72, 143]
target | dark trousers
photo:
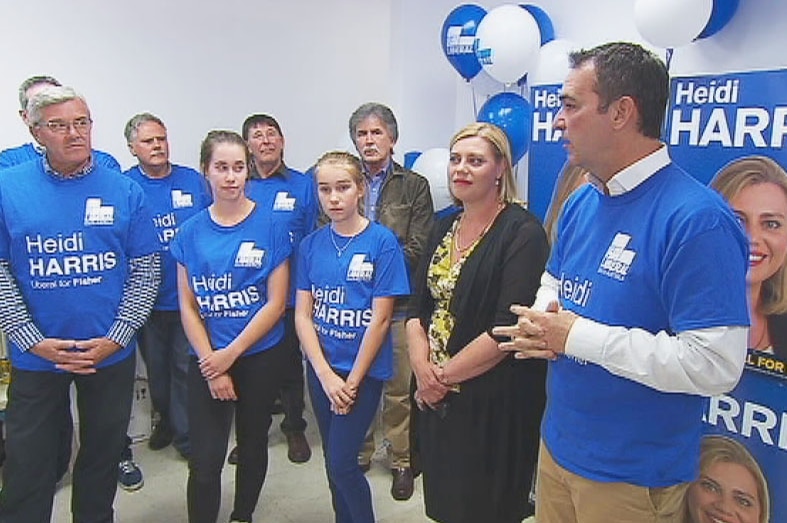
[34, 422]
[257, 379]
[292, 383]
[342, 436]
[165, 349]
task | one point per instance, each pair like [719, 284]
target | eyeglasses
[270, 135]
[80, 125]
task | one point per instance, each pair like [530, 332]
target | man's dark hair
[626, 69]
[259, 119]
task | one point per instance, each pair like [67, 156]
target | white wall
[201, 64]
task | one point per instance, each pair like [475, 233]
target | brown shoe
[298, 450]
[402, 485]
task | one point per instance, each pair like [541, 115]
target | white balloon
[552, 65]
[433, 164]
[671, 23]
[507, 41]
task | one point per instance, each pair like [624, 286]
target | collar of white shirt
[636, 173]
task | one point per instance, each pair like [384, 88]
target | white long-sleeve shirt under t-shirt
[705, 361]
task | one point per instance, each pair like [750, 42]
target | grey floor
[292, 493]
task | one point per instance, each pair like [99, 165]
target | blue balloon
[514, 115]
[543, 21]
[458, 39]
[410, 157]
[723, 11]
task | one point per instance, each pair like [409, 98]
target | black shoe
[232, 459]
[298, 450]
[161, 437]
[278, 407]
[402, 485]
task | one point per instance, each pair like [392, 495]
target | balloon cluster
[510, 43]
[673, 23]
[504, 42]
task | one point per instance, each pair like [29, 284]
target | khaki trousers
[396, 405]
[564, 497]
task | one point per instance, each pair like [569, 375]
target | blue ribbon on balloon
[514, 115]
[458, 38]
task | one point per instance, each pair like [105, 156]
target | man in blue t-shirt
[129, 474]
[79, 272]
[34, 150]
[288, 197]
[174, 194]
[642, 308]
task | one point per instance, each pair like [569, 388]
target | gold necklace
[457, 240]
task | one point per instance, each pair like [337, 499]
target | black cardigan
[504, 268]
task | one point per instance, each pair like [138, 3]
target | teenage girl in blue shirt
[233, 276]
[349, 273]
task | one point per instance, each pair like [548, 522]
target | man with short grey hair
[401, 200]
[175, 193]
[32, 151]
[79, 272]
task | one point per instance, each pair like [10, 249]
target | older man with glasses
[34, 150]
[79, 272]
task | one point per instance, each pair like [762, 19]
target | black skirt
[478, 451]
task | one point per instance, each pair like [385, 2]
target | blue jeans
[165, 349]
[34, 423]
[342, 436]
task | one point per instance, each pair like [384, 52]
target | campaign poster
[547, 156]
[713, 122]
[715, 119]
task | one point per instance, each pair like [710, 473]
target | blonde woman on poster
[756, 188]
[731, 486]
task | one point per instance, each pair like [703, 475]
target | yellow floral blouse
[441, 279]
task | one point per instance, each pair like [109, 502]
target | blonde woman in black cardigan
[479, 408]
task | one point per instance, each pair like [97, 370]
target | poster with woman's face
[729, 131]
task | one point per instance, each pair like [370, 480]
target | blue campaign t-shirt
[28, 152]
[228, 269]
[173, 199]
[69, 242]
[371, 265]
[666, 256]
[289, 198]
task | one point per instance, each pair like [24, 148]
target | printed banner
[714, 120]
[547, 156]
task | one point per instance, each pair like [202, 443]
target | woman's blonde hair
[571, 177]
[716, 449]
[507, 190]
[729, 182]
[349, 163]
